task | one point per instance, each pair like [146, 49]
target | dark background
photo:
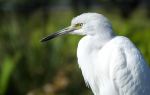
[29, 67]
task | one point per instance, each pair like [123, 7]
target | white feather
[110, 64]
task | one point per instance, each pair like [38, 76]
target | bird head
[84, 24]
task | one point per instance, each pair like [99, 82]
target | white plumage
[110, 64]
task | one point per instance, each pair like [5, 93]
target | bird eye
[78, 25]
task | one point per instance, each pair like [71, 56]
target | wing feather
[129, 72]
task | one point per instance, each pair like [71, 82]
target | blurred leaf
[6, 71]
[7, 68]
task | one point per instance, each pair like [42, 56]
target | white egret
[110, 64]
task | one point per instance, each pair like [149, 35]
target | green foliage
[5, 74]
[7, 68]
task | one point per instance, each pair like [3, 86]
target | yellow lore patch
[78, 25]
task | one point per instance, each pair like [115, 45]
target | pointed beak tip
[43, 40]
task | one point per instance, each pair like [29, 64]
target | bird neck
[103, 36]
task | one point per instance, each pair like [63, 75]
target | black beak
[59, 33]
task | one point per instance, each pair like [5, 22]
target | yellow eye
[78, 25]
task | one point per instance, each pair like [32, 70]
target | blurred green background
[29, 67]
